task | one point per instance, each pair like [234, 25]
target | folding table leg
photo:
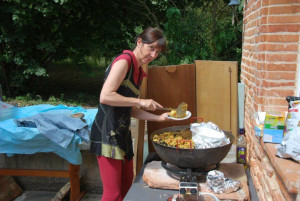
[75, 193]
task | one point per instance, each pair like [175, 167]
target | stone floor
[47, 196]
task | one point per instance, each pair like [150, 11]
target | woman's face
[148, 51]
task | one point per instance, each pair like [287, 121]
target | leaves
[35, 34]
[202, 33]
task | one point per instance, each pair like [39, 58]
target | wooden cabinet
[171, 85]
[208, 87]
[216, 93]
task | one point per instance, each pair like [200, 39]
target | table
[72, 174]
[29, 140]
[140, 191]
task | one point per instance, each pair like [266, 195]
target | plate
[188, 115]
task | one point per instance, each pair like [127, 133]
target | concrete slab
[36, 196]
[47, 196]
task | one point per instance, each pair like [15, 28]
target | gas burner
[187, 174]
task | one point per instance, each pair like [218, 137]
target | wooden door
[216, 93]
[169, 86]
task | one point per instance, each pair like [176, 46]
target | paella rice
[183, 138]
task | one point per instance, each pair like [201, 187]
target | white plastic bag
[289, 147]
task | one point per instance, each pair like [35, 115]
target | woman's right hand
[149, 104]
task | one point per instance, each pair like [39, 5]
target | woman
[110, 136]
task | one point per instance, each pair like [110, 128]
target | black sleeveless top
[110, 134]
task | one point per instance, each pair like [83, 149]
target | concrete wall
[90, 179]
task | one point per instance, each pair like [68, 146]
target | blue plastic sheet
[26, 140]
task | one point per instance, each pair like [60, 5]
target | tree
[36, 33]
[204, 33]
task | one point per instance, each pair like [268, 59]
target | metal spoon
[180, 110]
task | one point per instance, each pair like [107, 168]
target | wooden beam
[36, 173]
[141, 127]
[72, 174]
[75, 193]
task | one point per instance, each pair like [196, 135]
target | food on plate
[180, 112]
[173, 113]
[183, 138]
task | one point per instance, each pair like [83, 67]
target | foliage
[202, 33]
[29, 99]
[35, 35]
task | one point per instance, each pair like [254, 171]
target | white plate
[188, 115]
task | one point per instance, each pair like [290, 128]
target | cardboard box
[258, 131]
[272, 135]
[275, 120]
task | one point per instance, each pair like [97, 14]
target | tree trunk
[6, 82]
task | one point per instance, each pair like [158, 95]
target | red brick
[275, 101]
[255, 179]
[253, 15]
[277, 196]
[279, 28]
[268, 83]
[288, 196]
[281, 57]
[265, 2]
[246, 61]
[286, 9]
[263, 20]
[283, 19]
[268, 167]
[271, 183]
[280, 75]
[289, 171]
[279, 38]
[278, 47]
[279, 67]
[274, 108]
[264, 11]
[272, 2]
[262, 57]
[245, 54]
[278, 92]
[259, 99]
[257, 5]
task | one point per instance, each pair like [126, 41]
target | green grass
[66, 84]
[22, 101]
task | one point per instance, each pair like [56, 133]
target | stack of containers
[274, 127]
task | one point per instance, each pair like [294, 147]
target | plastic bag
[289, 148]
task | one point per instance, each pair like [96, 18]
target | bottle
[241, 148]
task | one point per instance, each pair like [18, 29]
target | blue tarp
[28, 140]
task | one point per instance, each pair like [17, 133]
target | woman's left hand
[164, 117]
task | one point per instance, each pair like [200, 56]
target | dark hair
[150, 35]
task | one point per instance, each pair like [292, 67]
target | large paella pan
[190, 158]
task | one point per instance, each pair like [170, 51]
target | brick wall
[270, 63]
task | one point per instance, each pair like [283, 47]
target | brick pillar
[270, 55]
[270, 59]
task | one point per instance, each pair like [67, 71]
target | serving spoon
[180, 110]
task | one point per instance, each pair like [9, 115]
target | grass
[66, 84]
[22, 101]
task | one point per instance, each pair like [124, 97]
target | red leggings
[116, 176]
